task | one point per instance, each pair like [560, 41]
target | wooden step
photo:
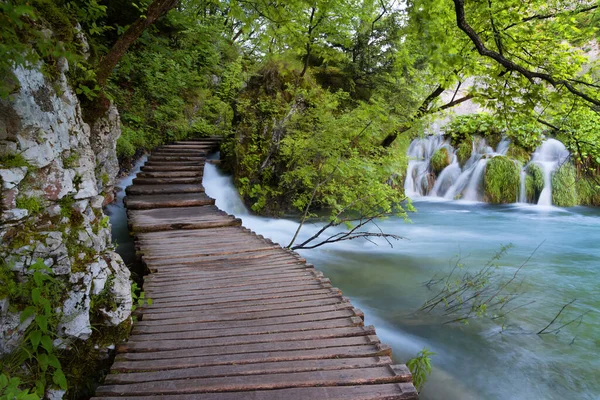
[146, 202]
[164, 189]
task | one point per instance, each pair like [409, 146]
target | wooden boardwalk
[234, 315]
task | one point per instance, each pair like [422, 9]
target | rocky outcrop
[56, 174]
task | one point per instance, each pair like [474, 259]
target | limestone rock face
[55, 175]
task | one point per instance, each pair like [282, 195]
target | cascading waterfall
[549, 156]
[466, 182]
[453, 181]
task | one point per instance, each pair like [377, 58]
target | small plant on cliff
[420, 367]
[36, 356]
[32, 204]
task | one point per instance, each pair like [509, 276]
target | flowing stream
[478, 360]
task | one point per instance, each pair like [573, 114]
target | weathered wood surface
[235, 316]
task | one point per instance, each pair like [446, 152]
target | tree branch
[459, 6]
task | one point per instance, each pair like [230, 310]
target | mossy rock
[518, 153]
[564, 192]
[440, 160]
[534, 182]
[502, 180]
[463, 152]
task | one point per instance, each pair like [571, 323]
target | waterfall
[453, 181]
[549, 156]
[466, 182]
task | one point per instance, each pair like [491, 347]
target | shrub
[534, 182]
[502, 180]
[440, 160]
[463, 153]
[564, 192]
[588, 191]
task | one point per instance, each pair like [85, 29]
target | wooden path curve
[234, 315]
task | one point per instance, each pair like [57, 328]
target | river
[479, 360]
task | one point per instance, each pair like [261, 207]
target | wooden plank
[259, 305]
[170, 174]
[393, 391]
[145, 202]
[355, 347]
[163, 345]
[176, 158]
[172, 167]
[247, 348]
[344, 311]
[356, 376]
[222, 330]
[166, 181]
[249, 369]
[164, 189]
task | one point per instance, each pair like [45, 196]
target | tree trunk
[109, 62]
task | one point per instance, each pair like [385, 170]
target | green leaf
[35, 337]
[3, 381]
[27, 312]
[35, 295]
[47, 343]
[43, 361]
[53, 361]
[42, 322]
[59, 378]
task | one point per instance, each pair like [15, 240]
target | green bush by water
[502, 180]
[440, 160]
[564, 192]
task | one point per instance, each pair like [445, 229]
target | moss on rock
[502, 180]
[440, 160]
[463, 152]
[534, 182]
[518, 153]
[564, 192]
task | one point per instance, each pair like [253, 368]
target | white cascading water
[549, 156]
[466, 183]
[453, 181]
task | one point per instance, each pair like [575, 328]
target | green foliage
[32, 204]
[13, 161]
[420, 367]
[564, 192]
[464, 150]
[588, 191]
[534, 182]
[502, 180]
[39, 298]
[139, 297]
[440, 160]
[518, 153]
[462, 128]
[9, 389]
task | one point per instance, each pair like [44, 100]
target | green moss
[56, 17]
[502, 180]
[518, 153]
[534, 182]
[13, 161]
[463, 153]
[71, 160]
[440, 160]
[32, 204]
[564, 192]
[588, 191]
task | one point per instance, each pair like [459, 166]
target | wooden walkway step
[234, 315]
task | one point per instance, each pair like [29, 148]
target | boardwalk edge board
[234, 315]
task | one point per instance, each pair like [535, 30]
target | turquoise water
[479, 360]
